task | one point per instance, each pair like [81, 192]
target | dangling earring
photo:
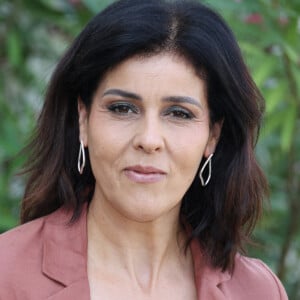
[207, 162]
[81, 158]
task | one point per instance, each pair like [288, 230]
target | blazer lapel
[208, 280]
[75, 291]
[64, 255]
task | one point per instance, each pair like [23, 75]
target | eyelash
[179, 113]
[125, 108]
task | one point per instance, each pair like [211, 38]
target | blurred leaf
[43, 11]
[262, 73]
[96, 5]
[289, 122]
[292, 53]
[274, 97]
[14, 48]
[273, 122]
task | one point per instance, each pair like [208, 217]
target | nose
[149, 136]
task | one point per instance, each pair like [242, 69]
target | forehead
[165, 72]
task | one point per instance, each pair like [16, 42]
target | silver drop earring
[81, 158]
[207, 162]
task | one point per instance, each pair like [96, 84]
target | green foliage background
[33, 35]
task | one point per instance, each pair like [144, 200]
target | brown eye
[179, 113]
[123, 108]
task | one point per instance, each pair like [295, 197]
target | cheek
[189, 151]
[97, 145]
[99, 150]
[105, 144]
[190, 163]
[190, 144]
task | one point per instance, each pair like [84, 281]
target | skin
[148, 112]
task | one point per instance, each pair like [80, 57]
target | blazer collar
[65, 253]
[208, 280]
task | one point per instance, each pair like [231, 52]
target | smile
[146, 174]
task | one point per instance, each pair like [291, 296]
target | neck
[142, 251]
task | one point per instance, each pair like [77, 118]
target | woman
[143, 181]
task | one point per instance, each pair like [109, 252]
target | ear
[214, 136]
[83, 122]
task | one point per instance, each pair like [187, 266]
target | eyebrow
[183, 99]
[173, 99]
[125, 94]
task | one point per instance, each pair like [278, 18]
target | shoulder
[27, 239]
[22, 254]
[254, 278]
[250, 279]
[20, 251]
[15, 241]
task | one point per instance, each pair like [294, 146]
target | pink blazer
[46, 259]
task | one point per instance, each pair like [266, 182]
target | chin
[142, 217]
[150, 214]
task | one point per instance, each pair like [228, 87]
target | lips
[144, 174]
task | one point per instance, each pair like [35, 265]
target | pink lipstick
[144, 174]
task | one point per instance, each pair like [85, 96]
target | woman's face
[146, 132]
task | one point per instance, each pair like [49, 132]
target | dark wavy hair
[222, 214]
